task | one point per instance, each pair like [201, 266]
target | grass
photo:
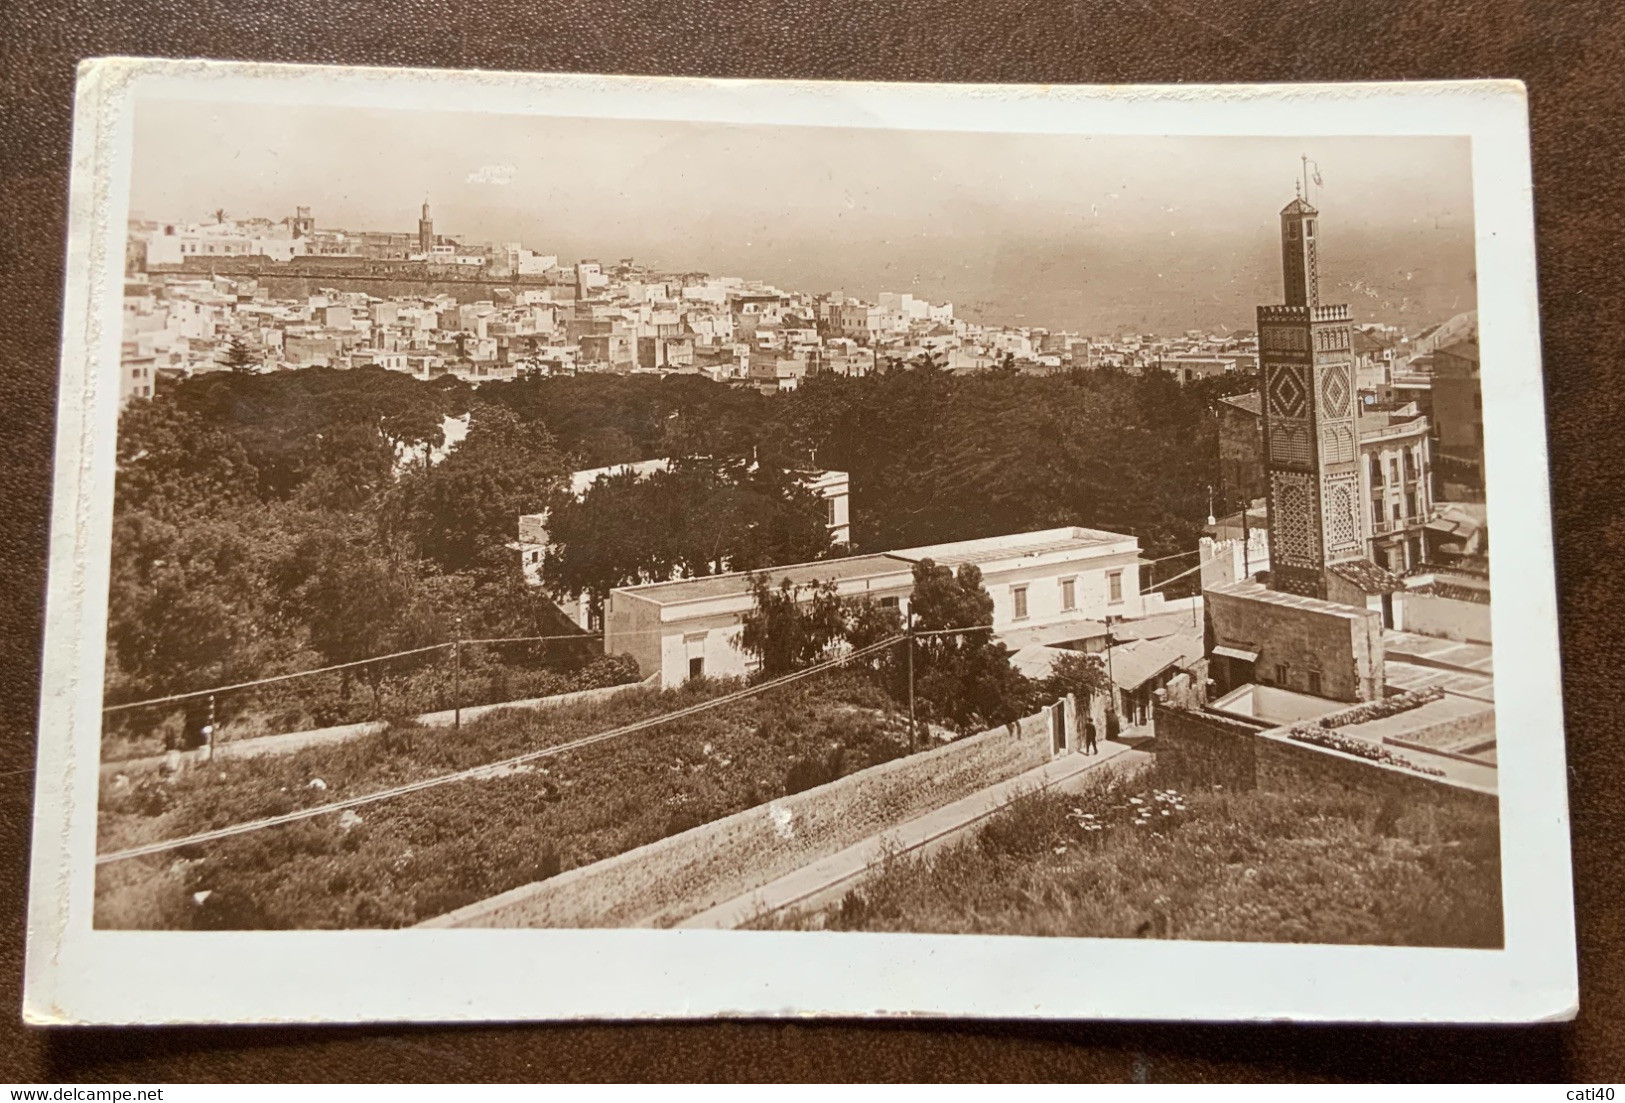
[404, 860]
[1136, 856]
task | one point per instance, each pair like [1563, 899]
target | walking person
[1089, 738]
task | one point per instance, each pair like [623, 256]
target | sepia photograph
[803, 527]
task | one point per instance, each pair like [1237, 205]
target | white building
[1051, 580]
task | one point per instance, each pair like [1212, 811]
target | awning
[1136, 663]
[1237, 653]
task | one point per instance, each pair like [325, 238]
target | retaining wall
[667, 881]
[1208, 749]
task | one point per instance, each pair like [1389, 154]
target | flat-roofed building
[690, 627]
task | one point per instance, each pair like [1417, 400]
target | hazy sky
[1058, 230]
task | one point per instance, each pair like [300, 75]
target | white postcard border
[75, 974]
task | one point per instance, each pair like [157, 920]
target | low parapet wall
[1207, 749]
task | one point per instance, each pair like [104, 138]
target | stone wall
[1205, 749]
[1328, 650]
[1283, 765]
[1432, 615]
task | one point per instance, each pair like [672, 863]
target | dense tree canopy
[229, 481]
[702, 516]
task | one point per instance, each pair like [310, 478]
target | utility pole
[457, 679]
[1112, 724]
[911, 720]
[208, 729]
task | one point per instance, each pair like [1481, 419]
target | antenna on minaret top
[1307, 176]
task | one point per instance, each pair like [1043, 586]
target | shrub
[1391, 705]
[1311, 865]
[1360, 748]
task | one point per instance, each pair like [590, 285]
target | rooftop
[1021, 545]
[1461, 350]
[1257, 591]
[738, 582]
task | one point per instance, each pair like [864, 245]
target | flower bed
[1377, 710]
[1360, 748]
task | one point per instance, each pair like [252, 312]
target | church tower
[425, 230]
[1311, 450]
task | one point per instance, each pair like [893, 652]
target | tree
[601, 540]
[791, 626]
[183, 602]
[463, 512]
[867, 623]
[239, 357]
[173, 462]
[358, 603]
[698, 517]
[1076, 673]
[961, 672]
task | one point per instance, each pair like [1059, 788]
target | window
[1019, 593]
[696, 666]
[1281, 672]
[1069, 595]
[1393, 469]
[889, 603]
[1394, 511]
[1309, 228]
[829, 504]
[1292, 231]
[1314, 682]
[1114, 586]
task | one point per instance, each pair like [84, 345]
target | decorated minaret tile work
[1311, 450]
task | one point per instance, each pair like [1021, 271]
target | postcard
[559, 546]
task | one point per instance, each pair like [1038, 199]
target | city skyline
[1066, 232]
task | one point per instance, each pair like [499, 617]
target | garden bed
[404, 860]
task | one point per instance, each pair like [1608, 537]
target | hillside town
[268, 295]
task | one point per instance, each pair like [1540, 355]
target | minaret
[1306, 364]
[1299, 268]
[425, 230]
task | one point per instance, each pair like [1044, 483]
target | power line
[490, 767]
[1176, 555]
[358, 662]
[273, 678]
